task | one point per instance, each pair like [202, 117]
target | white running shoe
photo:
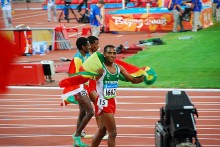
[86, 136]
[105, 137]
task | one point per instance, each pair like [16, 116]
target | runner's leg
[100, 133]
[82, 114]
[84, 101]
[109, 122]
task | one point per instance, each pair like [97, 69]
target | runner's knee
[112, 134]
[91, 113]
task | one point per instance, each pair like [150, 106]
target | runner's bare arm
[100, 72]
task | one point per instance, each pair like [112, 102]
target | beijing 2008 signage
[140, 22]
[157, 22]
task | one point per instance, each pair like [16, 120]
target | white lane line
[140, 135]
[58, 96]
[35, 88]
[198, 103]
[28, 99]
[27, 117]
[29, 13]
[125, 117]
[216, 119]
[125, 135]
[120, 89]
[39, 95]
[45, 103]
[27, 126]
[119, 36]
[118, 145]
[24, 111]
[122, 145]
[118, 97]
[62, 126]
[76, 109]
[132, 145]
[76, 117]
[46, 110]
[28, 9]
[146, 110]
[30, 16]
[14, 117]
[119, 135]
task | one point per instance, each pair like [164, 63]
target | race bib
[102, 102]
[83, 92]
[110, 89]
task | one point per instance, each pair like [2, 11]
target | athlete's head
[94, 43]
[101, 3]
[82, 43]
[109, 53]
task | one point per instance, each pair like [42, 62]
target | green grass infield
[183, 63]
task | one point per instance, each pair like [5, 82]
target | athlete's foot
[83, 133]
[78, 142]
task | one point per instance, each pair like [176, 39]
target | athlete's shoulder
[77, 55]
[120, 68]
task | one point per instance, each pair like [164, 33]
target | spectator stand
[62, 41]
[63, 36]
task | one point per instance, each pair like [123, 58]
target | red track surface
[33, 117]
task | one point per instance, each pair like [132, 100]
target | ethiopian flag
[88, 70]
